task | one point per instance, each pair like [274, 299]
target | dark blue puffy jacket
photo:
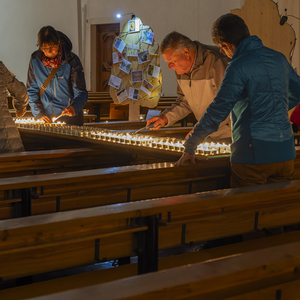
[258, 88]
[66, 87]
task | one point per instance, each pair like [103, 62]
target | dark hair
[48, 35]
[177, 42]
[229, 28]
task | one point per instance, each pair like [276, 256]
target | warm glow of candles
[168, 144]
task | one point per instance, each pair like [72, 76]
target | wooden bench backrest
[80, 189]
[231, 278]
[56, 241]
[34, 162]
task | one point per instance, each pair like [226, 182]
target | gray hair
[177, 42]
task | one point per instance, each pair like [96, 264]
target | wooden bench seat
[98, 104]
[164, 103]
[99, 107]
[73, 190]
[55, 241]
[97, 277]
[89, 188]
[34, 162]
[89, 118]
[208, 280]
[252, 208]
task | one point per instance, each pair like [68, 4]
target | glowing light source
[120, 16]
[169, 144]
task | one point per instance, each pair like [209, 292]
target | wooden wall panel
[262, 17]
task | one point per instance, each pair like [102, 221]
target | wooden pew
[165, 103]
[98, 104]
[253, 275]
[96, 277]
[99, 107]
[104, 94]
[56, 192]
[39, 194]
[89, 118]
[44, 243]
[47, 161]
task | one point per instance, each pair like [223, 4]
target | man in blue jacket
[258, 88]
[66, 93]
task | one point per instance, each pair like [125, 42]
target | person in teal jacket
[258, 89]
[66, 93]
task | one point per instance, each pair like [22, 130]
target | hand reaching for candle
[45, 119]
[69, 111]
[20, 113]
[185, 157]
[157, 122]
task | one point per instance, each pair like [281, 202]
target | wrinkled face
[50, 50]
[180, 62]
[227, 49]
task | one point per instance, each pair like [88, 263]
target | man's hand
[159, 122]
[45, 119]
[69, 111]
[185, 157]
[20, 113]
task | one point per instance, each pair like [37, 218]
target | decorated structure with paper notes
[136, 78]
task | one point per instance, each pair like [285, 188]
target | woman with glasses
[65, 92]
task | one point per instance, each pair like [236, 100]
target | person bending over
[65, 95]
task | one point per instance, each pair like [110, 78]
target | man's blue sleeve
[78, 85]
[229, 93]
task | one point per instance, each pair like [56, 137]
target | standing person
[66, 92]
[199, 70]
[258, 88]
[10, 140]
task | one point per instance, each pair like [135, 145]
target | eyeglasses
[49, 49]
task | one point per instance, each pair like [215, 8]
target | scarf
[53, 62]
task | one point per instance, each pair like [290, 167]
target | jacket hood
[248, 44]
[204, 50]
[66, 44]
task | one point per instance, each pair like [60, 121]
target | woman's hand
[46, 119]
[20, 113]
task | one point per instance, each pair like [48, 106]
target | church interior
[99, 211]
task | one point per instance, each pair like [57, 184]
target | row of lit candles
[122, 138]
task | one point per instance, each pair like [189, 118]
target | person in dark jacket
[66, 93]
[10, 140]
[258, 88]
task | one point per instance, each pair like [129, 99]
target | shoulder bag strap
[47, 81]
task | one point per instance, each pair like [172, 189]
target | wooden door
[106, 33]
